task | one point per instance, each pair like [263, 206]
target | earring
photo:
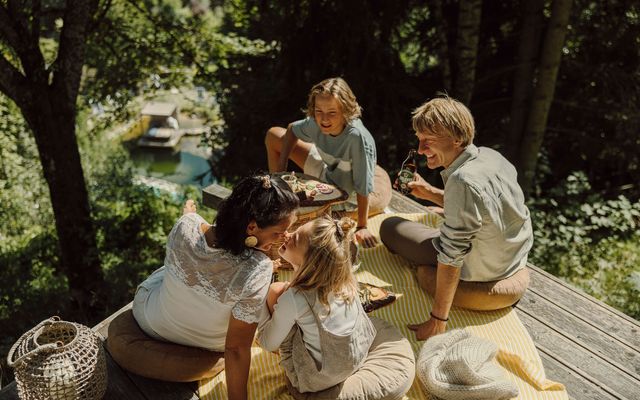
[251, 241]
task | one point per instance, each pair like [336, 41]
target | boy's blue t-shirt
[349, 158]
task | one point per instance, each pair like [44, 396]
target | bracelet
[438, 318]
[358, 228]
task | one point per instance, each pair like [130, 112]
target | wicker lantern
[59, 360]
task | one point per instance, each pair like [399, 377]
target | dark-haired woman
[212, 289]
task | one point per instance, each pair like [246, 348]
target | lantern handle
[33, 334]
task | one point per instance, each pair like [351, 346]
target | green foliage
[132, 224]
[22, 201]
[594, 121]
[143, 47]
[270, 88]
[589, 241]
[138, 44]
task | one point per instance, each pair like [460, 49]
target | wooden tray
[330, 194]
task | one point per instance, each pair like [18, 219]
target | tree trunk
[443, 45]
[47, 96]
[467, 49]
[543, 92]
[528, 50]
[53, 125]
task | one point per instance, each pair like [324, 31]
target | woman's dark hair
[263, 198]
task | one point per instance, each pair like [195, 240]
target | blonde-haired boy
[333, 144]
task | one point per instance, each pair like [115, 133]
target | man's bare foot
[189, 207]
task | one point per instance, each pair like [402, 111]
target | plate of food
[311, 191]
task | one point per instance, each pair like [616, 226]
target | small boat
[161, 137]
[163, 130]
[196, 131]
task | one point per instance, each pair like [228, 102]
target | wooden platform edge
[584, 295]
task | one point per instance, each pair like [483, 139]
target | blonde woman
[317, 321]
[332, 144]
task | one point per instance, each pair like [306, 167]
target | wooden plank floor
[590, 347]
[587, 345]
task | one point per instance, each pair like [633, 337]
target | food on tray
[324, 189]
[309, 191]
[306, 197]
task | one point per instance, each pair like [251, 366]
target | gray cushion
[387, 373]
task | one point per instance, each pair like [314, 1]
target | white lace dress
[190, 300]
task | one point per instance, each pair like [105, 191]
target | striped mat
[517, 353]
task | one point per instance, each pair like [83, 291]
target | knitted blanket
[516, 355]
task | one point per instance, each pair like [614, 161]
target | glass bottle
[407, 172]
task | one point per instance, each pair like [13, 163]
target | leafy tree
[24, 204]
[44, 45]
[589, 241]
[531, 24]
[45, 90]
[132, 222]
[594, 122]
[307, 45]
[542, 95]
[466, 52]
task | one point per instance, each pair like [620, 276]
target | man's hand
[421, 188]
[428, 328]
[365, 237]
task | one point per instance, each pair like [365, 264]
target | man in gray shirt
[477, 258]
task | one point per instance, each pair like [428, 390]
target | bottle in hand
[407, 173]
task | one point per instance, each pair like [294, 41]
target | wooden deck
[590, 347]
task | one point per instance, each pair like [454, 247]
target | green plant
[589, 241]
[132, 222]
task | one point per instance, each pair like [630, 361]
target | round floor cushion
[480, 296]
[134, 351]
[387, 373]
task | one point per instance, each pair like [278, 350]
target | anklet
[438, 318]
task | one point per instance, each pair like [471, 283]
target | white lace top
[203, 286]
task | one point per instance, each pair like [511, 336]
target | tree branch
[67, 67]
[189, 54]
[24, 42]
[99, 17]
[7, 32]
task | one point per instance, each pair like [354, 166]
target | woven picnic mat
[517, 354]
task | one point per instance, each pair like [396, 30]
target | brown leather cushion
[381, 195]
[134, 351]
[482, 296]
[378, 199]
[387, 373]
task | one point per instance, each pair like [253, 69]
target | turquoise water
[187, 164]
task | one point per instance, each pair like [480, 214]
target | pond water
[186, 164]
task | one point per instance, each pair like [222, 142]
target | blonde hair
[327, 265]
[340, 90]
[445, 116]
